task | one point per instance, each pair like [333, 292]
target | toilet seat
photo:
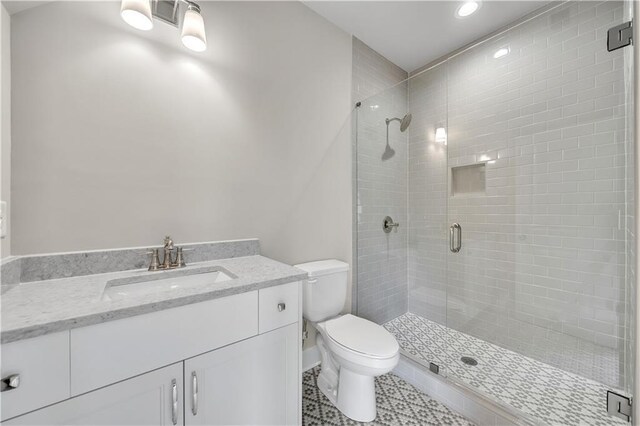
[363, 337]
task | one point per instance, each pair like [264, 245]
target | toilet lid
[360, 335]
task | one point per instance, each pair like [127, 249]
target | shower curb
[474, 406]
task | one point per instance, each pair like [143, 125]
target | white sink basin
[162, 281]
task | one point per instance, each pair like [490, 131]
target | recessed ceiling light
[467, 8]
[501, 52]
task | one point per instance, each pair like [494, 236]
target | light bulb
[137, 13]
[441, 135]
[501, 52]
[193, 35]
[467, 8]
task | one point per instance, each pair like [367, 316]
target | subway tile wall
[543, 263]
[381, 279]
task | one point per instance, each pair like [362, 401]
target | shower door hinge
[620, 36]
[619, 405]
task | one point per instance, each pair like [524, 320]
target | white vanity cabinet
[154, 398]
[232, 360]
[249, 383]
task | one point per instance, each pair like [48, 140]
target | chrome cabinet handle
[281, 307]
[453, 247]
[174, 405]
[194, 393]
[10, 383]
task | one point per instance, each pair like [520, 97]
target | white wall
[122, 136]
[5, 119]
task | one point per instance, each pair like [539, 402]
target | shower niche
[468, 180]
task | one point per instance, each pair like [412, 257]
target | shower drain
[468, 360]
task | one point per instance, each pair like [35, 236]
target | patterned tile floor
[547, 393]
[569, 353]
[398, 404]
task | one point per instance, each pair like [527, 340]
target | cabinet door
[248, 383]
[153, 398]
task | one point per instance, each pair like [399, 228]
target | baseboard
[310, 358]
[477, 408]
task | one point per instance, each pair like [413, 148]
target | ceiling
[408, 33]
[16, 6]
[413, 33]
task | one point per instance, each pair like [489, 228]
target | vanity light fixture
[137, 13]
[501, 52]
[441, 135]
[140, 13]
[467, 8]
[193, 36]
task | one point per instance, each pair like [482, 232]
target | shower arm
[387, 121]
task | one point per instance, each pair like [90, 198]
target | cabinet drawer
[279, 306]
[106, 353]
[43, 366]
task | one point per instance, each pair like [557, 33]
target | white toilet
[353, 350]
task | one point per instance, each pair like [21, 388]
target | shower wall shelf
[468, 180]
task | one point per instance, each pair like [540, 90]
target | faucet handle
[155, 260]
[168, 242]
[179, 262]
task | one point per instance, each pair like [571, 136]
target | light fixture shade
[193, 35]
[441, 135]
[137, 13]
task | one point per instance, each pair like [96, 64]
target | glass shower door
[540, 167]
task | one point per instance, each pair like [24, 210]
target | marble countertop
[37, 308]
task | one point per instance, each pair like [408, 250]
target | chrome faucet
[168, 248]
[167, 261]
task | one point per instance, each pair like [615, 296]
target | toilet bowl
[353, 350]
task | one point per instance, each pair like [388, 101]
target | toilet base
[328, 377]
[356, 396]
[352, 393]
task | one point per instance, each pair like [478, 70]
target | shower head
[404, 121]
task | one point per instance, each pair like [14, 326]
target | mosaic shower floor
[547, 393]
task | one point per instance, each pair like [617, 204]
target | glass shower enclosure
[511, 270]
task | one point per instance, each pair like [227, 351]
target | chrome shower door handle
[454, 246]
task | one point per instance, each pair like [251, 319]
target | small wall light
[441, 135]
[501, 52]
[193, 35]
[137, 13]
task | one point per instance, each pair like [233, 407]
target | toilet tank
[325, 291]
